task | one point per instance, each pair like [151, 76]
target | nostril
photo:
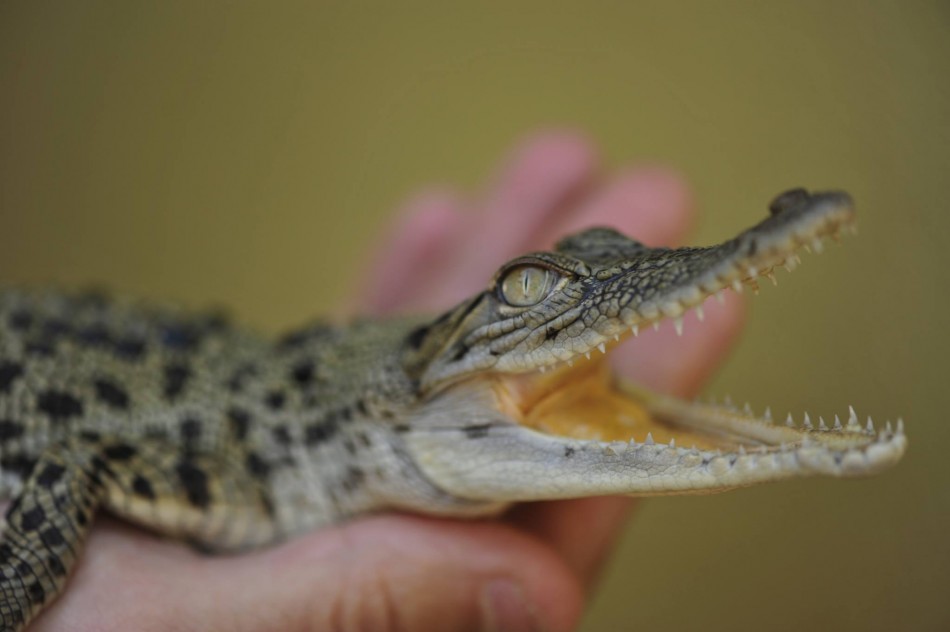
[788, 200]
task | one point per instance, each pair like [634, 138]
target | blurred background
[250, 154]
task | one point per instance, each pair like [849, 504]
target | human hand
[528, 570]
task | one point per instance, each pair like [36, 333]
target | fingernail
[505, 608]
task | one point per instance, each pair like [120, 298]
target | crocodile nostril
[788, 200]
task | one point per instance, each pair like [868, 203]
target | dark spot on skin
[477, 431]
[296, 339]
[81, 518]
[361, 407]
[176, 375]
[788, 200]
[353, 479]
[142, 487]
[281, 435]
[59, 405]
[19, 463]
[257, 466]
[50, 475]
[36, 592]
[94, 336]
[461, 352]
[120, 452]
[55, 328]
[90, 436]
[303, 373]
[110, 393]
[21, 320]
[195, 483]
[130, 348]
[320, 431]
[5, 553]
[10, 429]
[275, 400]
[52, 537]
[551, 333]
[417, 336]
[180, 337]
[56, 566]
[401, 428]
[9, 371]
[240, 421]
[32, 518]
[40, 349]
[24, 569]
[101, 466]
[240, 376]
[190, 430]
[568, 451]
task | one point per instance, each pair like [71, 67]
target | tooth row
[852, 425]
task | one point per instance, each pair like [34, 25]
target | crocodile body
[206, 432]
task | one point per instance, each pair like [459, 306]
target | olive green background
[249, 154]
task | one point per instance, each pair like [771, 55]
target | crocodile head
[523, 367]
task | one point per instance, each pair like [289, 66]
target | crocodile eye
[526, 285]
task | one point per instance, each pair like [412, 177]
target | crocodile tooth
[656, 325]
[672, 443]
[678, 324]
[887, 427]
[817, 246]
[755, 286]
[542, 368]
[602, 348]
[870, 426]
[752, 271]
[700, 315]
[771, 277]
[616, 337]
[900, 425]
[790, 421]
[737, 286]
[807, 422]
[837, 423]
[821, 423]
[635, 330]
[747, 409]
[721, 297]
[570, 363]
[741, 450]
[587, 354]
[768, 414]
[852, 418]
[649, 439]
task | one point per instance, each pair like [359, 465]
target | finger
[582, 530]
[390, 572]
[424, 233]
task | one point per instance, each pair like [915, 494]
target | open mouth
[574, 397]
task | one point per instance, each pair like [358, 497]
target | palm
[405, 571]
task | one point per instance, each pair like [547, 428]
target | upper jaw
[686, 278]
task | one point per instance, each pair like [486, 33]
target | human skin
[533, 567]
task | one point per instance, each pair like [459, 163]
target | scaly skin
[205, 432]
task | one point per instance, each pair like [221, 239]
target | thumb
[408, 573]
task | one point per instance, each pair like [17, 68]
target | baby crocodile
[208, 433]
